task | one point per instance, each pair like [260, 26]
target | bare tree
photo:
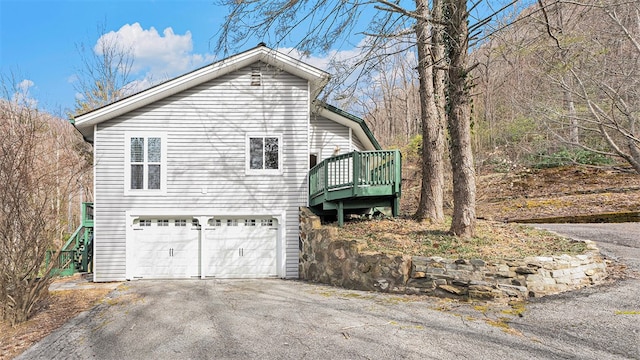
[105, 72]
[562, 78]
[505, 131]
[602, 78]
[327, 21]
[389, 100]
[459, 119]
[35, 182]
[556, 24]
[429, 48]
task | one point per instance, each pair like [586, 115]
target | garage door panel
[165, 249]
[156, 264]
[230, 245]
[258, 253]
[268, 246]
[241, 248]
[231, 248]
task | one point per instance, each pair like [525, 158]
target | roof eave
[356, 124]
[316, 77]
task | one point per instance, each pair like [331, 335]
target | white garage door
[240, 247]
[166, 248]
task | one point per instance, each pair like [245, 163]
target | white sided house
[203, 176]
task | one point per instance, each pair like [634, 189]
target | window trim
[127, 163]
[248, 169]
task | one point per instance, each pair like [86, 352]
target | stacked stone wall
[326, 259]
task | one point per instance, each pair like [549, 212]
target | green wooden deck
[355, 182]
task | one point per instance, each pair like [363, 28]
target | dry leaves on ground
[541, 193]
[494, 240]
[62, 306]
[557, 192]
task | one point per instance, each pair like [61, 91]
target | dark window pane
[137, 150]
[154, 150]
[255, 153]
[154, 177]
[137, 174]
[271, 153]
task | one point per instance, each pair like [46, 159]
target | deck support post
[395, 207]
[85, 251]
[340, 214]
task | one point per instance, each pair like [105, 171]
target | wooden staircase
[77, 253]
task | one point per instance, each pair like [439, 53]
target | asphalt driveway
[617, 241]
[278, 319]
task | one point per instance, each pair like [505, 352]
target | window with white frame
[145, 168]
[264, 154]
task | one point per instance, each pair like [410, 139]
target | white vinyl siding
[329, 138]
[356, 144]
[206, 129]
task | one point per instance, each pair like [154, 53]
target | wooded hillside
[558, 85]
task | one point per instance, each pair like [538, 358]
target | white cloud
[22, 94]
[156, 56]
[322, 62]
[342, 65]
[25, 85]
[139, 85]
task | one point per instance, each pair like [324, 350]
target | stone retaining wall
[328, 260]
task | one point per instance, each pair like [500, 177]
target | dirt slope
[557, 192]
[539, 193]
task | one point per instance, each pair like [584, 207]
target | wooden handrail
[356, 169]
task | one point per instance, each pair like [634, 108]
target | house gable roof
[317, 80]
[356, 124]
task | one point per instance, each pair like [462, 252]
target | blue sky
[38, 41]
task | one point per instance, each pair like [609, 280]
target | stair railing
[77, 252]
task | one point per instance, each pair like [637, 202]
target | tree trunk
[439, 72]
[431, 193]
[574, 136]
[633, 145]
[634, 159]
[459, 120]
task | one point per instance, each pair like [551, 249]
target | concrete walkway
[79, 282]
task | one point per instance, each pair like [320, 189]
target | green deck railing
[77, 253]
[359, 179]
